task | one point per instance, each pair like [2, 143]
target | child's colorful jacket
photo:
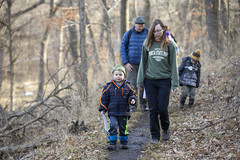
[116, 99]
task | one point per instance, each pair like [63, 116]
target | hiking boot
[154, 141]
[191, 102]
[181, 105]
[124, 146]
[165, 135]
[133, 109]
[111, 147]
[143, 107]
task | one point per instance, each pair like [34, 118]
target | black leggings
[158, 92]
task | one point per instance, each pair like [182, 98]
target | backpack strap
[129, 34]
[168, 54]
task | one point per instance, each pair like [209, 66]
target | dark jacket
[189, 73]
[131, 48]
[116, 99]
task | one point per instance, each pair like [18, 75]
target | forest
[56, 56]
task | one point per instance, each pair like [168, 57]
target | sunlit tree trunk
[97, 69]
[83, 54]
[109, 38]
[103, 26]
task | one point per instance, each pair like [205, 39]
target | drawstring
[122, 91]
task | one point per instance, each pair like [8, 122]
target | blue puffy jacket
[131, 49]
[115, 99]
[189, 73]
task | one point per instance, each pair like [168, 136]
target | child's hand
[102, 112]
[133, 101]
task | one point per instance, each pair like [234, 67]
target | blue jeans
[158, 92]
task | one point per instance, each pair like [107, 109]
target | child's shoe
[124, 145]
[111, 147]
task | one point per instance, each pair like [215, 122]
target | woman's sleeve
[174, 66]
[142, 66]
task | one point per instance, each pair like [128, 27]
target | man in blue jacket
[131, 48]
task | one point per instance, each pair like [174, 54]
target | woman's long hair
[150, 36]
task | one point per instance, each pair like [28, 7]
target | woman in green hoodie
[158, 72]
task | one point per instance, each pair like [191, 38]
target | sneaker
[111, 147]
[133, 109]
[154, 141]
[165, 135]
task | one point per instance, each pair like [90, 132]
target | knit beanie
[120, 68]
[196, 55]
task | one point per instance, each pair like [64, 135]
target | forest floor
[210, 130]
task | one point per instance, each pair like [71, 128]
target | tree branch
[28, 9]
[211, 123]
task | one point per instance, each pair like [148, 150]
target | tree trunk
[123, 16]
[9, 5]
[43, 56]
[183, 19]
[224, 16]
[2, 52]
[146, 13]
[97, 69]
[103, 26]
[213, 26]
[109, 38]
[83, 55]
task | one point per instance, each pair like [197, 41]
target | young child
[189, 73]
[115, 99]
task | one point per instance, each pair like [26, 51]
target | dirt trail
[138, 137]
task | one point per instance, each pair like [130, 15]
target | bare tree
[109, 36]
[213, 26]
[124, 15]
[43, 51]
[9, 23]
[2, 52]
[83, 54]
[147, 13]
[97, 67]
[73, 38]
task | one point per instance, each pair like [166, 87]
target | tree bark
[109, 37]
[146, 13]
[83, 55]
[213, 26]
[9, 7]
[123, 16]
[2, 53]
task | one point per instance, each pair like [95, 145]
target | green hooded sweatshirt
[156, 65]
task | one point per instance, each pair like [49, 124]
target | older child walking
[115, 99]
